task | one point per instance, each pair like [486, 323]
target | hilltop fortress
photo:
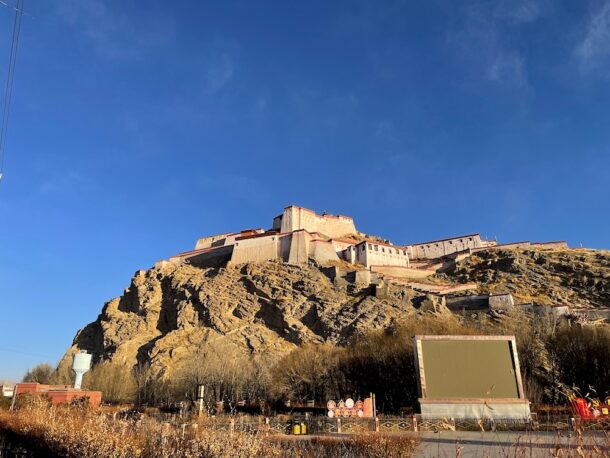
[314, 278]
[300, 235]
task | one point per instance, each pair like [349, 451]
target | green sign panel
[468, 369]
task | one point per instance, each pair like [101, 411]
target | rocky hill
[264, 310]
[267, 309]
[578, 278]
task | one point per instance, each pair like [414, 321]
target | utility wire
[8, 90]
[14, 8]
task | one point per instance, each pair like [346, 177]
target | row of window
[383, 249]
[450, 242]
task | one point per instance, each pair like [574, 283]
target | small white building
[369, 253]
[7, 391]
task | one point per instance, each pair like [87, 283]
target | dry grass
[82, 432]
[367, 445]
[74, 431]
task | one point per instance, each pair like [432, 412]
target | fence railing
[598, 424]
[325, 425]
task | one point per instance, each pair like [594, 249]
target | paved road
[467, 444]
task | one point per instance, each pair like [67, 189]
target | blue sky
[136, 130]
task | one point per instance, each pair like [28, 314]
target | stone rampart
[208, 257]
[558, 245]
[501, 302]
[255, 249]
[322, 251]
[402, 272]
[299, 247]
[207, 242]
[439, 248]
[295, 218]
[503, 246]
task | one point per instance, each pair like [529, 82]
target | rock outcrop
[264, 310]
[578, 278]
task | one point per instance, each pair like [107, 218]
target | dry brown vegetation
[227, 376]
[41, 373]
[367, 445]
[74, 431]
[553, 356]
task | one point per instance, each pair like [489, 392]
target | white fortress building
[300, 235]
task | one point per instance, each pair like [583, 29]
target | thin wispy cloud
[526, 11]
[593, 51]
[112, 33]
[507, 67]
[261, 104]
[260, 108]
[484, 39]
[64, 181]
[219, 73]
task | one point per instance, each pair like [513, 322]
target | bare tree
[41, 373]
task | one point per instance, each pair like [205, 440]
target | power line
[8, 90]
[14, 8]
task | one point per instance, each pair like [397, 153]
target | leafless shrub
[114, 380]
[41, 373]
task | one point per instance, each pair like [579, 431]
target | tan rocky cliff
[264, 310]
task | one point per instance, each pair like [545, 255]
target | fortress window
[383, 249]
[376, 247]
